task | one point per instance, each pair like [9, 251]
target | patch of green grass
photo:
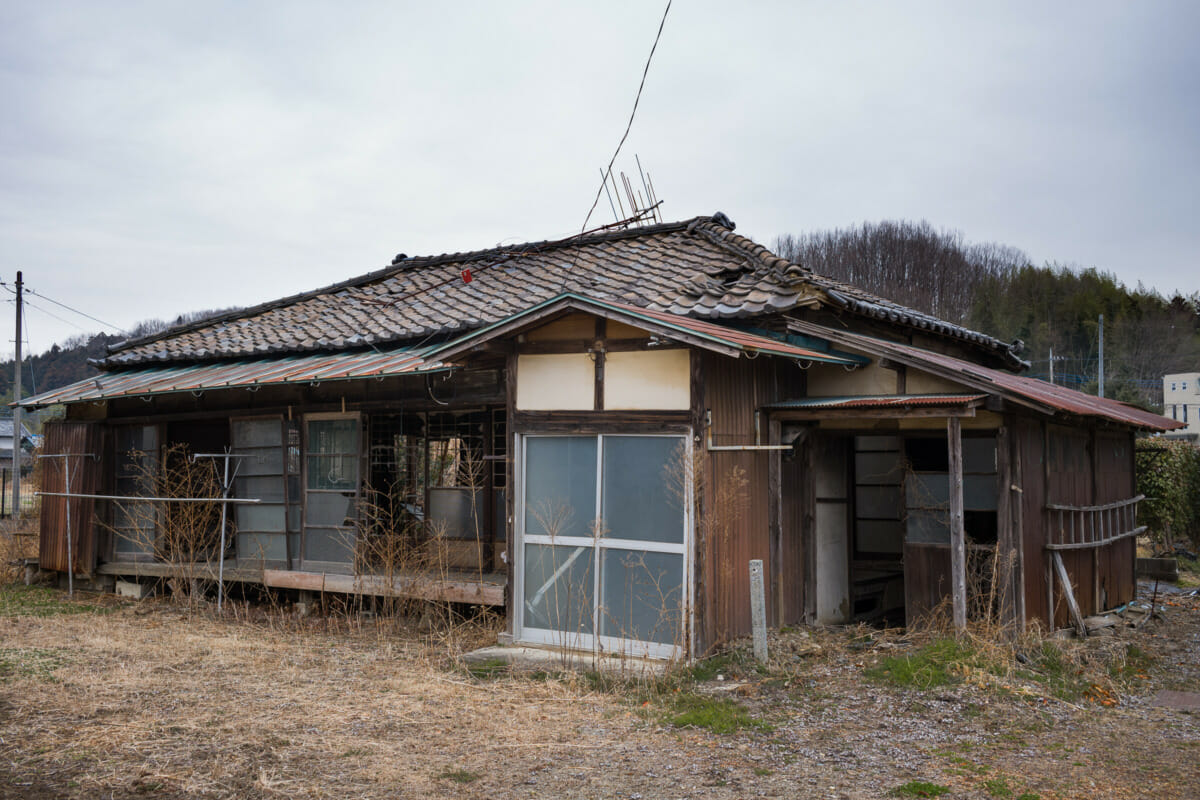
[938, 663]
[727, 664]
[489, 669]
[18, 600]
[1135, 664]
[458, 775]
[1029, 796]
[716, 714]
[1050, 666]
[919, 789]
[763, 772]
[29, 662]
[997, 787]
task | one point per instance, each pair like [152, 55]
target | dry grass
[148, 701]
[18, 540]
[156, 699]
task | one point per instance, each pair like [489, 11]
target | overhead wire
[632, 114]
[73, 310]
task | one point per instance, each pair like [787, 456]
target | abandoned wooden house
[599, 434]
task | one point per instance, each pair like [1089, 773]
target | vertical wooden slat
[958, 547]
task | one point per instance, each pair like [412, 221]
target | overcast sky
[159, 157]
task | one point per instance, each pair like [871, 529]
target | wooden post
[958, 544]
[775, 521]
[758, 611]
[1006, 546]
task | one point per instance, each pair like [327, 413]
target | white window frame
[594, 642]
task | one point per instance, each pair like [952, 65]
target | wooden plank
[417, 586]
[1069, 593]
[774, 526]
[1005, 541]
[1091, 545]
[958, 549]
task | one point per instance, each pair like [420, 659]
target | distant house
[1181, 402]
[6, 445]
[600, 433]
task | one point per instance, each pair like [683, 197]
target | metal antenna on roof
[648, 187]
[604, 180]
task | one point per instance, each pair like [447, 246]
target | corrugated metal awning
[239, 374]
[1045, 397]
[883, 401]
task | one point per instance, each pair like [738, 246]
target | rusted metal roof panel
[883, 401]
[1046, 397]
[239, 374]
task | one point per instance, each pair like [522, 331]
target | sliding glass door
[604, 529]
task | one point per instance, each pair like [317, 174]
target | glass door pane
[642, 596]
[558, 592]
[260, 528]
[623, 589]
[560, 485]
[331, 466]
[640, 496]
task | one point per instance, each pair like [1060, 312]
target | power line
[629, 125]
[74, 310]
[56, 316]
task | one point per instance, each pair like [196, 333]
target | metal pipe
[728, 448]
[226, 483]
[133, 498]
[70, 555]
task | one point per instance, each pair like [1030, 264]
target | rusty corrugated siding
[85, 439]
[734, 388]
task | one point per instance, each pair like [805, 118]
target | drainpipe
[758, 445]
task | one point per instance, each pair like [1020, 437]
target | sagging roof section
[699, 333]
[1041, 396]
[240, 374]
[696, 268]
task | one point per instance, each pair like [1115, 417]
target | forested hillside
[995, 289]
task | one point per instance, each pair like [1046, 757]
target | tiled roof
[695, 268]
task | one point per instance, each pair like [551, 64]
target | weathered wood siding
[1115, 480]
[1029, 505]
[83, 440]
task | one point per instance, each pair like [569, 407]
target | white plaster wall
[831, 380]
[556, 382]
[917, 382]
[647, 380]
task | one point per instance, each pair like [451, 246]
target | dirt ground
[123, 699]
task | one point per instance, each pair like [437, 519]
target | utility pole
[16, 447]
[1052, 365]
[1102, 355]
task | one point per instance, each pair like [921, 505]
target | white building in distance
[1181, 401]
